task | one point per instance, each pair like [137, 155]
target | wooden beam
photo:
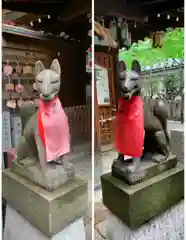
[160, 7]
[37, 7]
[75, 9]
[29, 17]
[11, 15]
[119, 9]
[24, 32]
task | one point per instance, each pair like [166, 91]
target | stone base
[57, 174]
[18, 228]
[136, 204]
[169, 225]
[147, 170]
[49, 212]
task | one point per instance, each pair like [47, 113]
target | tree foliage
[148, 56]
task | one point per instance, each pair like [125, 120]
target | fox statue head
[129, 81]
[48, 80]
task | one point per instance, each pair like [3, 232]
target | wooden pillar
[97, 123]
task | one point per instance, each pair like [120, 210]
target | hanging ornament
[9, 86]
[102, 21]
[3, 42]
[113, 29]
[120, 20]
[8, 68]
[19, 88]
[129, 41]
[18, 68]
[158, 39]
[124, 33]
[11, 104]
[90, 64]
[90, 57]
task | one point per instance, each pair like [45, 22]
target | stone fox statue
[46, 134]
[140, 130]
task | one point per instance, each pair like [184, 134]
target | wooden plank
[96, 119]
[106, 112]
[75, 9]
[13, 54]
[25, 32]
[28, 47]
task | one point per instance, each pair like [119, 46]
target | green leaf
[143, 51]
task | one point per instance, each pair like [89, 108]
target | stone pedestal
[148, 169]
[48, 212]
[18, 228]
[138, 203]
[167, 226]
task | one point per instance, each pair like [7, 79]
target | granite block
[138, 203]
[177, 144]
[49, 212]
[148, 169]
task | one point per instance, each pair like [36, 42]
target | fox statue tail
[161, 112]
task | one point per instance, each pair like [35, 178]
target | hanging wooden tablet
[9, 86]
[11, 104]
[19, 87]
[27, 69]
[124, 32]
[18, 68]
[6, 95]
[7, 68]
[113, 29]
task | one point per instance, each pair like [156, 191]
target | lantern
[113, 29]
[158, 39]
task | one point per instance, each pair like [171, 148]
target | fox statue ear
[136, 66]
[55, 66]
[121, 69]
[39, 67]
[121, 66]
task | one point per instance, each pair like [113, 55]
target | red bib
[53, 129]
[129, 135]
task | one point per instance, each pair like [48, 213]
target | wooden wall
[72, 60]
[17, 47]
[74, 77]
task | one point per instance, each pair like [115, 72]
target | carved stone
[32, 159]
[157, 139]
[56, 175]
[49, 212]
[134, 205]
[148, 169]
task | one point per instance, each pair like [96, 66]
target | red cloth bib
[129, 135]
[53, 129]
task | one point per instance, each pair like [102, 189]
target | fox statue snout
[48, 80]
[129, 81]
